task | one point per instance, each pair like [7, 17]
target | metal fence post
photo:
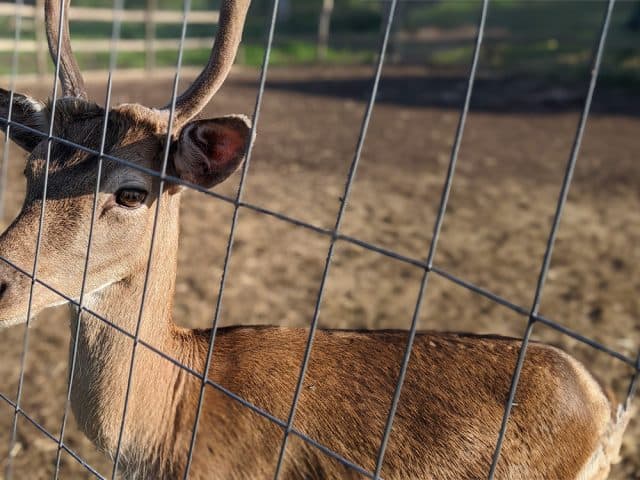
[323, 29]
[41, 41]
[150, 35]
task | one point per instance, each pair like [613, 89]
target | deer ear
[25, 111]
[208, 151]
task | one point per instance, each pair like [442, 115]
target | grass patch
[287, 53]
[546, 39]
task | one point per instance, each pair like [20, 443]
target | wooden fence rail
[106, 15]
[150, 17]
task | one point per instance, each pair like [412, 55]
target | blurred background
[532, 79]
[545, 38]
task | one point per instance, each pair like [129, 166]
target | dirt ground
[511, 163]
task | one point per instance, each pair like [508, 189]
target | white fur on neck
[20, 319]
[74, 306]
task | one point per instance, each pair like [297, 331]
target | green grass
[548, 39]
[299, 52]
[544, 38]
[287, 53]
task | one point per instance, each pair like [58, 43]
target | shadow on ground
[508, 94]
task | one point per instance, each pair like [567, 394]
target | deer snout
[7, 278]
[10, 287]
[14, 292]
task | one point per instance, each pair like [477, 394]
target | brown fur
[451, 406]
[562, 425]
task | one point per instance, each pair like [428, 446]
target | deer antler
[70, 76]
[194, 99]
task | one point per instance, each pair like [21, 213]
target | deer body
[562, 427]
[445, 428]
[446, 425]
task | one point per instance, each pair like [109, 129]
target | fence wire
[232, 230]
[343, 204]
[3, 188]
[427, 266]
[546, 262]
[115, 35]
[25, 345]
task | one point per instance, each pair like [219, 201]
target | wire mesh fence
[426, 265]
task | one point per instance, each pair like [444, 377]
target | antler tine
[204, 87]
[70, 76]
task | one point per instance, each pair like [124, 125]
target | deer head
[203, 152]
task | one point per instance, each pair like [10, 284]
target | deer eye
[130, 197]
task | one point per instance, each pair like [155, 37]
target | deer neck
[104, 354]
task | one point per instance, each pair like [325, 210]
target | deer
[564, 424]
